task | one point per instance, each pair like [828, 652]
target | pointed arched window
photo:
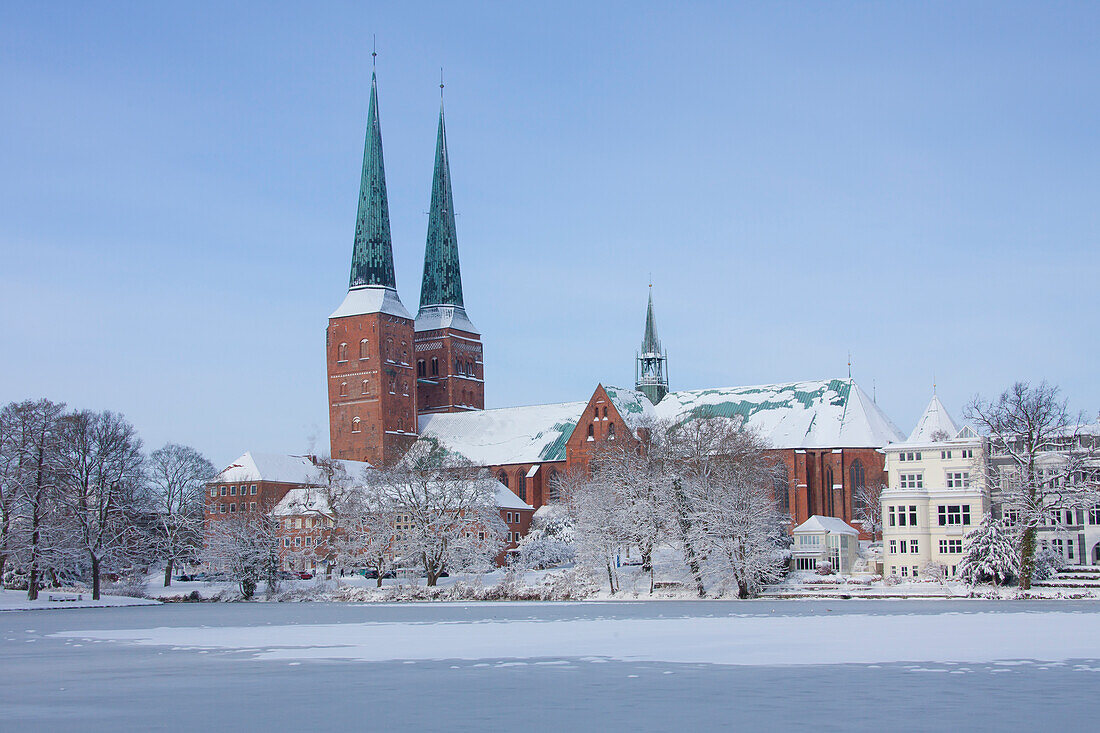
[503, 478]
[611, 431]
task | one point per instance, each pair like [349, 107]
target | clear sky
[915, 183]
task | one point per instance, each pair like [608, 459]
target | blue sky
[916, 184]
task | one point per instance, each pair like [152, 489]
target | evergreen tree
[990, 553]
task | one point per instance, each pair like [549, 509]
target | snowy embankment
[980, 637]
[16, 600]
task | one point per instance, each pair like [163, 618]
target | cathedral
[394, 379]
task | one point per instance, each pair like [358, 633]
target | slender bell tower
[449, 369]
[651, 363]
[369, 339]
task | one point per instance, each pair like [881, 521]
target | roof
[432, 317]
[819, 414]
[280, 468]
[372, 256]
[935, 424]
[832, 525]
[301, 501]
[504, 436]
[633, 406]
[371, 299]
[312, 501]
[442, 283]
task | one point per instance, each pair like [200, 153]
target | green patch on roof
[556, 451]
[745, 409]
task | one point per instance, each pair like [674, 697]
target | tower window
[421, 368]
[355, 425]
[343, 389]
[364, 345]
[435, 367]
[342, 352]
[366, 387]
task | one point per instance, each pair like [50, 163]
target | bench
[63, 599]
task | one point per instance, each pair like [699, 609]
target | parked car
[305, 575]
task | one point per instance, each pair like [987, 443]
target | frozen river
[845, 665]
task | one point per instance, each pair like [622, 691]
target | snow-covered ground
[853, 665]
[16, 600]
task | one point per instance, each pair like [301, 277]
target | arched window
[342, 352]
[393, 385]
[781, 485]
[458, 367]
[343, 389]
[421, 368]
[503, 478]
[470, 368]
[521, 476]
[554, 485]
[366, 387]
[364, 347]
[591, 432]
[857, 482]
[405, 387]
[829, 491]
[605, 412]
[355, 425]
[435, 367]
[611, 431]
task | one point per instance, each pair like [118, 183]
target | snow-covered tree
[35, 537]
[176, 477]
[990, 553]
[245, 546]
[100, 475]
[1042, 460]
[550, 539]
[446, 512]
[363, 532]
[735, 521]
[868, 501]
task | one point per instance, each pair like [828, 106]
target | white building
[936, 494]
[825, 539]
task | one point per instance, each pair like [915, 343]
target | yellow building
[935, 495]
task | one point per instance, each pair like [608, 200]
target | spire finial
[374, 51]
[933, 383]
[849, 365]
[440, 83]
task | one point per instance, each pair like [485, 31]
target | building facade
[936, 494]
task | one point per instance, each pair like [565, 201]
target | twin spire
[372, 256]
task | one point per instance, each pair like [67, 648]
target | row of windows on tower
[364, 387]
[462, 367]
[364, 351]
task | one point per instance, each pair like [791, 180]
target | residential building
[935, 495]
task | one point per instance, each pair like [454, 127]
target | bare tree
[101, 463]
[363, 534]
[1042, 460]
[11, 451]
[176, 479]
[447, 518]
[35, 435]
[597, 522]
[245, 546]
[868, 500]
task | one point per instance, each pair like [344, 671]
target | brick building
[394, 380]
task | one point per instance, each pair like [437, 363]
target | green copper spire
[372, 258]
[442, 283]
[651, 369]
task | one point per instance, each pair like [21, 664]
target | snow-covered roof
[302, 501]
[935, 424]
[280, 468]
[822, 414]
[312, 501]
[507, 435]
[832, 525]
[371, 299]
[432, 317]
[633, 406]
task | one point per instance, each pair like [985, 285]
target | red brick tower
[450, 374]
[369, 340]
